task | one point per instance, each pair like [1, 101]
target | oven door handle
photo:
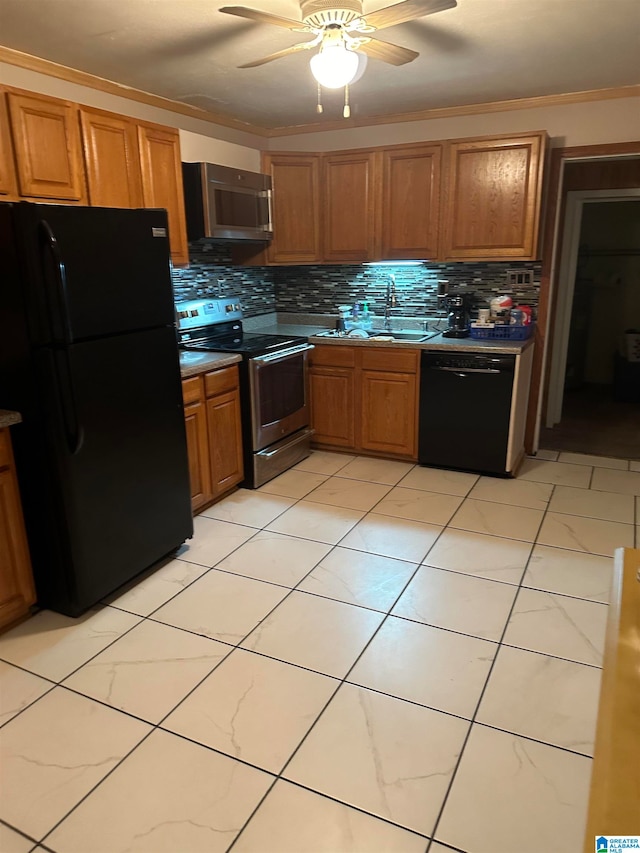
[281, 355]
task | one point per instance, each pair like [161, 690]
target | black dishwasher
[465, 408]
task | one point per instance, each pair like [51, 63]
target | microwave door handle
[50, 243]
[269, 226]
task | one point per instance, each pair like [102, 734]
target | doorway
[594, 384]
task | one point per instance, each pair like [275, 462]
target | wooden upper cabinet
[349, 206]
[296, 207]
[8, 182]
[46, 139]
[112, 161]
[410, 202]
[162, 182]
[492, 203]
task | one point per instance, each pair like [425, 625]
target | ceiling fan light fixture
[334, 66]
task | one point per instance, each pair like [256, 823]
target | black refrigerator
[89, 357]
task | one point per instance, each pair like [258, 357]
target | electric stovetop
[245, 343]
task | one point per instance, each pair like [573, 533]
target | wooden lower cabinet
[225, 441]
[365, 399]
[332, 405]
[214, 434]
[195, 420]
[388, 412]
[17, 591]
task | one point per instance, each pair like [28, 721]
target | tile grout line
[155, 726]
[486, 683]
[338, 687]
[232, 647]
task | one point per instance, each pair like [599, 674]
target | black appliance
[273, 384]
[90, 359]
[226, 204]
[458, 319]
[465, 410]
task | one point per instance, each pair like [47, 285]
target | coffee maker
[458, 318]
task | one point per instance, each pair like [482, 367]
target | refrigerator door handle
[72, 426]
[60, 273]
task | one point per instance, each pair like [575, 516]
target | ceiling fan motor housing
[321, 13]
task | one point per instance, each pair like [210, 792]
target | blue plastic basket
[502, 333]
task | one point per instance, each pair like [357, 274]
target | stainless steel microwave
[226, 204]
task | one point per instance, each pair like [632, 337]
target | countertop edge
[9, 418]
[206, 361]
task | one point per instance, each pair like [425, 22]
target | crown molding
[538, 102]
[82, 78]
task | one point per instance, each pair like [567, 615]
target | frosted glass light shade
[334, 66]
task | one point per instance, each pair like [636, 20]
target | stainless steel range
[273, 384]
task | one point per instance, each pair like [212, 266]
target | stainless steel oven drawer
[273, 460]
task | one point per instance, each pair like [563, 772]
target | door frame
[558, 157]
[565, 286]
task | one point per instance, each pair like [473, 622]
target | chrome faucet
[390, 301]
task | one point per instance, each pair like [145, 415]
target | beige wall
[592, 123]
[199, 140]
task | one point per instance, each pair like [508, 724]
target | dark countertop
[310, 327]
[435, 343]
[194, 363]
[8, 418]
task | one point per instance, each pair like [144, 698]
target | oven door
[278, 391]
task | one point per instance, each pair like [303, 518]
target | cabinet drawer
[400, 360]
[220, 380]
[191, 390]
[5, 449]
[332, 356]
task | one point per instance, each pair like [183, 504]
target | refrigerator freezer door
[94, 271]
[116, 474]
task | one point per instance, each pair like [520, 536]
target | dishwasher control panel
[468, 361]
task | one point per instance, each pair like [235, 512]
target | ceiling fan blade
[391, 53]
[305, 45]
[261, 17]
[407, 11]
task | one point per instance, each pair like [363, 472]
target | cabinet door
[8, 183]
[492, 203]
[46, 140]
[111, 157]
[17, 592]
[195, 419]
[332, 406]
[411, 202]
[349, 206]
[388, 413]
[162, 182]
[225, 441]
[296, 207]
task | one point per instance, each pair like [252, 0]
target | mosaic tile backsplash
[320, 289]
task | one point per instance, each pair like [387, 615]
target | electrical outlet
[519, 278]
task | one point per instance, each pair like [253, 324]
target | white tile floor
[363, 655]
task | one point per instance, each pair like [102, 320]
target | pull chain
[346, 112]
[319, 108]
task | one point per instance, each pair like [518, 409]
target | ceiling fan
[342, 31]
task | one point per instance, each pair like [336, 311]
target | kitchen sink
[403, 334]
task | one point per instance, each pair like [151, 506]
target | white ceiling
[481, 51]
